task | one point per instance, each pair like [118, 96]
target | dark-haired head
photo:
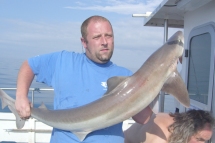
[188, 124]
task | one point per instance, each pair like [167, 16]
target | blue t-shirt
[77, 81]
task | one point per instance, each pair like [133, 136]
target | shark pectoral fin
[81, 135]
[113, 82]
[19, 122]
[176, 87]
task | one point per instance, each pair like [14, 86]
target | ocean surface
[9, 68]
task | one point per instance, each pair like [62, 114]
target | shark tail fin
[176, 87]
[10, 102]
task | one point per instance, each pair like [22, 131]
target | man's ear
[84, 42]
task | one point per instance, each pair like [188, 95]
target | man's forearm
[24, 80]
[143, 116]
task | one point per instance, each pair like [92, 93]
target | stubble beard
[104, 58]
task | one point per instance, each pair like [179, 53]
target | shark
[125, 96]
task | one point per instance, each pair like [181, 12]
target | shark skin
[125, 97]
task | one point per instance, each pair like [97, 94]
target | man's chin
[105, 59]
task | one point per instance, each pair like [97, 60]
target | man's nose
[104, 40]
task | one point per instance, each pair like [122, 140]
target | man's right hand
[23, 107]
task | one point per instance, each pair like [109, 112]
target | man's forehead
[93, 22]
[204, 134]
[98, 25]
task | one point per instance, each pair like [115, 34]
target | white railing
[32, 91]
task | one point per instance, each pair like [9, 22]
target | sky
[29, 28]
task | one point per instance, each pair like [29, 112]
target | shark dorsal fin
[176, 87]
[81, 135]
[42, 106]
[113, 82]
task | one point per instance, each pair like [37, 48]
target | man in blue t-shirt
[77, 79]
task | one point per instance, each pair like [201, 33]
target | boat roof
[174, 11]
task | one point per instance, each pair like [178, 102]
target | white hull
[33, 131]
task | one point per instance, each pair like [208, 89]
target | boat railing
[32, 90]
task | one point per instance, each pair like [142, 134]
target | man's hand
[23, 107]
[143, 116]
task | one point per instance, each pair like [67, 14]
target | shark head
[174, 84]
[160, 70]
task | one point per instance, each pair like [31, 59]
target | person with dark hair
[193, 126]
[77, 79]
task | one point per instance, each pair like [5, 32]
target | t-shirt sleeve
[43, 66]
[130, 73]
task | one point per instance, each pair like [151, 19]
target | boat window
[199, 67]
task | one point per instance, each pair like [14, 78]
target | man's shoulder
[123, 69]
[59, 57]
[70, 55]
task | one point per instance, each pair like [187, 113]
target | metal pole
[31, 121]
[32, 98]
[165, 30]
[162, 94]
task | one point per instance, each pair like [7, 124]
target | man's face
[99, 43]
[202, 136]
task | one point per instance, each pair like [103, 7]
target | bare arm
[25, 77]
[143, 116]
